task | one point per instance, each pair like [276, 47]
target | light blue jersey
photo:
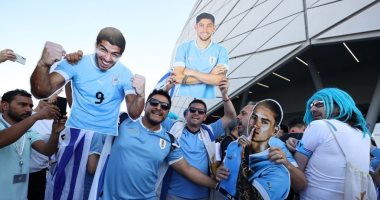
[203, 60]
[196, 155]
[9, 167]
[97, 94]
[135, 158]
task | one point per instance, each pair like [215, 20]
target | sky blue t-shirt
[135, 158]
[203, 60]
[9, 165]
[196, 155]
[97, 94]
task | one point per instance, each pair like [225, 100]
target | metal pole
[374, 108]
[315, 76]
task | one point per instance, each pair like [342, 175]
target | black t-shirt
[225, 142]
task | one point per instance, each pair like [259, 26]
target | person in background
[17, 139]
[331, 112]
[40, 163]
[7, 54]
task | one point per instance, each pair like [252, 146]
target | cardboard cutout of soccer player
[200, 64]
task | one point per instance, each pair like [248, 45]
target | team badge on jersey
[115, 80]
[162, 143]
[212, 60]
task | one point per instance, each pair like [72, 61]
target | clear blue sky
[151, 29]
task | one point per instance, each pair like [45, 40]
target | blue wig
[348, 112]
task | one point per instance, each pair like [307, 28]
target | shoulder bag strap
[336, 139]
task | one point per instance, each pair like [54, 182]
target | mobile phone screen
[62, 104]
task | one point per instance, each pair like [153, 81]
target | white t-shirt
[37, 160]
[325, 170]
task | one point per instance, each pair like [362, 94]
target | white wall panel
[285, 9]
[254, 17]
[368, 20]
[259, 37]
[231, 43]
[235, 62]
[225, 28]
[292, 33]
[242, 6]
[222, 12]
[323, 17]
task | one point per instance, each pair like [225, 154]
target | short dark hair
[9, 96]
[275, 107]
[205, 16]
[198, 101]
[113, 36]
[160, 92]
[296, 122]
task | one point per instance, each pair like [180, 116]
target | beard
[17, 118]
[152, 121]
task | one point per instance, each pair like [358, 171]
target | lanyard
[18, 145]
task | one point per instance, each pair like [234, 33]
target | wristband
[225, 100]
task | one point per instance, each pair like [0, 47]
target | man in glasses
[336, 133]
[142, 146]
[99, 85]
[197, 142]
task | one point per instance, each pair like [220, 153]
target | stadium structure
[288, 49]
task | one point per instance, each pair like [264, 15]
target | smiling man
[200, 64]
[141, 148]
[99, 83]
[197, 141]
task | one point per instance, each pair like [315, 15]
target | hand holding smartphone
[61, 104]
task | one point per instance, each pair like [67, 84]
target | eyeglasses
[155, 103]
[194, 110]
[317, 104]
[101, 50]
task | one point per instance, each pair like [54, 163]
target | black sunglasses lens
[164, 107]
[193, 110]
[153, 103]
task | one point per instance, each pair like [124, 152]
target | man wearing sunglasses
[99, 85]
[336, 129]
[142, 146]
[197, 142]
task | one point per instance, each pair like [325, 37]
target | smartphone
[61, 104]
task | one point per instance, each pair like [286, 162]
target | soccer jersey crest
[115, 80]
[162, 143]
[212, 60]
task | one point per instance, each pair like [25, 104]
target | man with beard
[17, 139]
[240, 128]
[99, 85]
[197, 141]
[142, 146]
[200, 64]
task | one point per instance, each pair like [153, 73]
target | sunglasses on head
[155, 103]
[194, 110]
[317, 104]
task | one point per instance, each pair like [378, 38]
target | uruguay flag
[162, 83]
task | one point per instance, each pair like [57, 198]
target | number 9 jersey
[97, 94]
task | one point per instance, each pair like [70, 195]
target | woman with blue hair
[336, 135]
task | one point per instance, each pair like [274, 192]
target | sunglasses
[194, 110]
[317, 104]
[155, 103]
